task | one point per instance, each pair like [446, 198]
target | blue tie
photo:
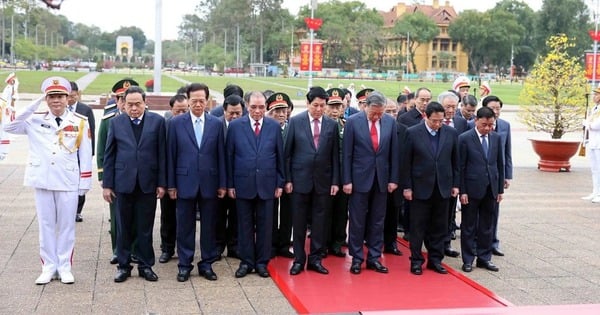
[484, 145]
[136, 121]
[198, 131]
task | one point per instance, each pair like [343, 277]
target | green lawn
[294, 87]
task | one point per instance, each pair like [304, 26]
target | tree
[569, 17]
[525, 50]
[421, 29]
[554, 92]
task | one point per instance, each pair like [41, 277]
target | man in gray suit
[370, 171]
[75, 106]
[312, 177]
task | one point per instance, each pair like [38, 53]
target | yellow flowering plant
[554, 93]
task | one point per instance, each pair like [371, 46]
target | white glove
[2, 156]
[82, 192]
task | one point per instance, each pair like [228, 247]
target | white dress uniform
[7, 111]
[593, 151]
[59, 168]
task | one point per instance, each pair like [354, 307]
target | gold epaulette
[78, 115]
[109, 115]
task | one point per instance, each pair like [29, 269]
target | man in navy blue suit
[312, 177]
[481, 189]
[415, 115]
[135, 173]
[255, 177]
[503, 129]
[429, 179]
[370, 171]
[196, 177]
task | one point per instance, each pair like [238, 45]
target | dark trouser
[186, 231]
[255, 225]
[406, 217]
[282, 222]
[227, 225]
[367, 214]
[168, 224]
[135, 218]
[319, 206]
[495, 216]
[339, 220]
[477, 226]
[390, 226]
[80, 203]
[451, 220]
[428, 221]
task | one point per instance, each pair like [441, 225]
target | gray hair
[447, 94]
[376, 99]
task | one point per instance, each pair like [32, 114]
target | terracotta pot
[554, 153]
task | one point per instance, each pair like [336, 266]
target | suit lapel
[478, 144]
[188, 126]
[306, 126]
[250, 133]
[427, 140]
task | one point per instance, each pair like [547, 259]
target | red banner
[317, 64]
[594, 35]
[313, 24]
[589, 66]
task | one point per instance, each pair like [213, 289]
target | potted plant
[553, 99]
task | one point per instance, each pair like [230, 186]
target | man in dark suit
[449, 100]
[468, 105]
[74, 105]
[415, 115]
[196, 178]
[233, 107]
[168, 215]
[429, 179]
[255, 177]
[312, 177]
[346, 102]
[135, 173]
[481, 189]
[370, 171]
[503, 129]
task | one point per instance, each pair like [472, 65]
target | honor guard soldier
[59, 169]
[462, 85]
[110, 111]
[7, 111]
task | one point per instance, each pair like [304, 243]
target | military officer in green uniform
[110, 111]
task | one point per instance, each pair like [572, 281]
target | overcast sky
[110, 15]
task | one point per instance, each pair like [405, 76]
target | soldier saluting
[58, 139]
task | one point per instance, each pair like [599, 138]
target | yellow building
[442, 54]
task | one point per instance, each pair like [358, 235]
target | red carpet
[341, 291]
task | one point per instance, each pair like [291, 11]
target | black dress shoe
[114, 260]
[147, 274]
[450, 252]
[135, 259]
[284, 252]
[165, 257]
[377, 266]
[416, 269]
[393, 251]
[296, 269]
[78, 218]
[497, 252]
[437, 267]
[208, 274]
[337, 252]
[122, 274]
[487, 265]
[242, 271]
[467, 267]
[183, 275]
[318, 267]
[262, 272]
[355, 268]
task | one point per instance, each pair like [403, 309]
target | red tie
[256, 128]
[374, 138]
[423, 115]
[447, 122]
[316, 133]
